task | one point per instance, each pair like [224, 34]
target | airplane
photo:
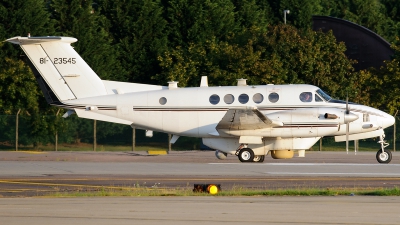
[248, 121]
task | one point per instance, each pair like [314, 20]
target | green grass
[137, 192]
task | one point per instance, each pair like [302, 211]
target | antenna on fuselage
[204, 81]
[241, 82]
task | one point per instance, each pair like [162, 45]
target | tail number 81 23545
[59, 60]
[64, 61]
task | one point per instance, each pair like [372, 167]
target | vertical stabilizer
[63, 73]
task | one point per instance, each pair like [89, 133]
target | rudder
[62, 70]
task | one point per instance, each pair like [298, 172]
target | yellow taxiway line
[31, 152]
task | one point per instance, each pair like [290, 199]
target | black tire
[259, 158]
[384, 157]
[246, 155]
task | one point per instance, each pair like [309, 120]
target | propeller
[349, 117]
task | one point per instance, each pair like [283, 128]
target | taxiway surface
[25, 174]
[354, 210]
[36, 174]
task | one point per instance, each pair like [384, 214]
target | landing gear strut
[383, 156]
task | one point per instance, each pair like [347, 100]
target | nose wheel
[383, 156]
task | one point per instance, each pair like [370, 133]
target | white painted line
[306, 164]
[363, 174]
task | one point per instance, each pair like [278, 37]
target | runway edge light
[209, 188]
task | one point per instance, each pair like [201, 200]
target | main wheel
[259, 158]
[246, 155]
[384, 157]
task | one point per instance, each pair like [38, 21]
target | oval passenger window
[229, 99]
[214, 99]
[243, 98]
[258, 98]
[273, 97]
[162, 101]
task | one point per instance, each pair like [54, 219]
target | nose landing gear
[383, 156]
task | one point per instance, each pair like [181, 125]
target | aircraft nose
[388, 121]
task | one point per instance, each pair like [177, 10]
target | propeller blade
[355, 146]
[347, 124]
[347, 137]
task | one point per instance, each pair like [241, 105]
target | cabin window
[318, 99]
[243, 98]
[365, 117]
[306, 97]
[162, 101]
[273, 97]
[214, 99]
[258, 98]
[229, 99]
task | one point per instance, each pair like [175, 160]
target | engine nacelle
[282, 154]
[220, 155]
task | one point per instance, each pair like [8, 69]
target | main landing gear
[247, 155]
[383, 156]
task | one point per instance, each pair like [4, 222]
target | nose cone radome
[390, 121]
[387, 121]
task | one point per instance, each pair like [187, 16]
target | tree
[392, 28]
[283, 54]
[139, 31]
[386, 92]
[18, 86]
[250, 14]
[79, 19]
[196, 21]
[19, 89]
[300, 14]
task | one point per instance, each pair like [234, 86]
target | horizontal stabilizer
[82, 113]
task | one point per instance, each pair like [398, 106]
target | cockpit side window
[324, 95]
[318, 99]
[306, 97]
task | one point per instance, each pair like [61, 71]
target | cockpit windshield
[324, 95]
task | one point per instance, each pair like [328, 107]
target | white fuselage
[188, 111]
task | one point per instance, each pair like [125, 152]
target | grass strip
[132, 192]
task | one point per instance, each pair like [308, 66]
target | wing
[245, 119]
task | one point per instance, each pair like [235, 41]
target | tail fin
[61, 72]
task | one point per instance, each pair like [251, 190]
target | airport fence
[56, 133]
[48, 133]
